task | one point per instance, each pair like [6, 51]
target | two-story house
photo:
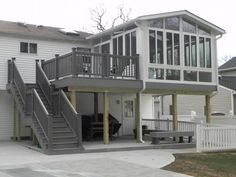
[115, 72]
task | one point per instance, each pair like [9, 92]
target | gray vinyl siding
[221, 102]
[6, 116]
[10, 47]
[228, 73]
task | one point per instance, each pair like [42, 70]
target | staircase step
[59, 145]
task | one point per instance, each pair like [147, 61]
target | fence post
[36, 69]
[57, 66]
[198, 138]
[73, 64]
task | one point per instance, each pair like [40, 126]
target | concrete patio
[19, 161]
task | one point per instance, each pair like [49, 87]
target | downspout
[140, 92]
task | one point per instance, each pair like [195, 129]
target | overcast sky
[75, 14]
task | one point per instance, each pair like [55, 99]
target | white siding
[146, 106]
[221, 102]
[10, 47]
[6, 116]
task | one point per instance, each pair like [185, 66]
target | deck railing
[41, 115]
[15, 78]
[96, 65]
[71, 116]
[167, 125]
[42, 81]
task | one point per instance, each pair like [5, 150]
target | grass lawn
[222, 164]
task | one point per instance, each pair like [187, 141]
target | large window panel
[152, 46]
[158, 23]
[186, 50]
[127, 44]
[169, 48]
[172, 23]
[133, 44]
[203, 31]
[194, 50]
[190, 75]
[176, 50]
[159, 47]
[172, 74]
[202, 52]
[188, 26]
[205, 77]
[120, 45]
[156, 73]
[208, 53]
[115, 46]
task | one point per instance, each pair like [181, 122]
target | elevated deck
[86, 70]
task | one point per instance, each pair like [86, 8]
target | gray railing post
[36, 69]
[73, 64]
[42, 64]
[57, 66]
[49, 132]
[13, 62]
[137, 66]
[9, 71]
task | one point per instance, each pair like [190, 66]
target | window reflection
[169, 48]
[172, 23]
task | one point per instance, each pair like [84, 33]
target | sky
[75, 14]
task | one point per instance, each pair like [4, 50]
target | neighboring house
[27, 43]
[223, 101]
[177, 55]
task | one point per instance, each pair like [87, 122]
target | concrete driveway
[18, 161]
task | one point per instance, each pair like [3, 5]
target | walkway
[18, 161]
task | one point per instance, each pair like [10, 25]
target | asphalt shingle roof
[229, 64]
[45, 32]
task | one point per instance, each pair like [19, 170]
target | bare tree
[98, 17]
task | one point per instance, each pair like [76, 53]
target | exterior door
[128, 122]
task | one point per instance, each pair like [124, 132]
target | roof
[217, 30]
[229, 65]
[39, 31]
[228, 81]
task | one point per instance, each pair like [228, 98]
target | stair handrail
[43, 82]
[71, 116]
[15, 77]
[42, 116]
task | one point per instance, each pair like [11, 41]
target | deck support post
[174, 112]
[96, 106]
[105, 118]
[208, 108]
[73, 98]
[138, 119]
[16, 124]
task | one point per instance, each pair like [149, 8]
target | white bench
[156, 136]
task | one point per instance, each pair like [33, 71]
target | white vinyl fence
[215, 137]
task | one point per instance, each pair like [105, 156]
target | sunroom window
[188, 26]
[156, 73]
[156, 46]
[172, 23]
[190, 49]
[172, 74]
[172, 47]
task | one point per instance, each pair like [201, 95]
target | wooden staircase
[53, 129]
